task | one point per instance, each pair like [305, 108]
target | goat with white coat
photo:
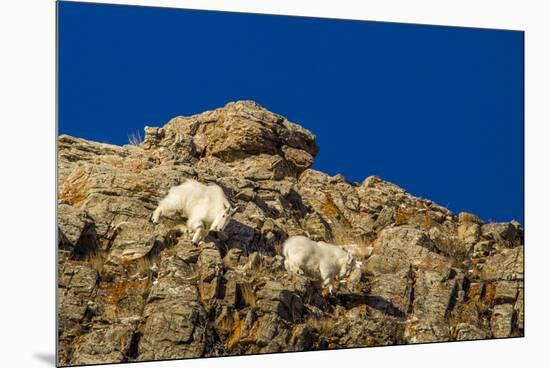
[318, 260]
[205, 207]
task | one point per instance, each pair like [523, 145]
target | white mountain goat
[319, 260]
[205, 207]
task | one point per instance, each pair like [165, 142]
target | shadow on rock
[246, 238]
[379, 303]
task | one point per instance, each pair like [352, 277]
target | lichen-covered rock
[77, 287]
[130, 290]
[104, 344]
[77, 233]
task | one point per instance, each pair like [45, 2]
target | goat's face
[223, 218]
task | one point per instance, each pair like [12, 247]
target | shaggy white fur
[319, 260]
[205, 207]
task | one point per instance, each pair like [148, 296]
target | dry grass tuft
[75, 188]
[114, 292]
[278, 248]
[97, 260]
[330, 209]
[236, 335]
[358, 247]
[246, 294]
[325, 327]
[144, 264]
[135, 138]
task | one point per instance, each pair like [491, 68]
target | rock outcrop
[131, 291]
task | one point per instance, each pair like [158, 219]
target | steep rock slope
[130, 290]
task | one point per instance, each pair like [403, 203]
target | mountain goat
[319, 260]
[204, 207]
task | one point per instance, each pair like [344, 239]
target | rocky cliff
[130, 290]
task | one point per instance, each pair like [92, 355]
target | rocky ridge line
[131, 291]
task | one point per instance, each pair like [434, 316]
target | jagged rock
[129, 243]
[302, 338]
[276, 298]
[385, 218]
[390, 293]
[175, 321]
[520, 311]
[175, 329]
[483, 249]
[433, 298]
[77, 287]
[506, 291]
[233, 258]
[240, 130]
[186, 251]
[501, 320]
[507, 233]
[272, 333]
[170, 145]
[77, 232]
[466, 217]
[210, 267]
[468, 332]
[400, 247]
[506, 265]
[130, 290]
[469, 233]
[77, 283]
[104, 344]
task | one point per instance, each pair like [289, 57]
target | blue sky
[436, 110]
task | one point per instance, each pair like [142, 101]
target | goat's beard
[345, 271]
[219, 223]
[347, 268]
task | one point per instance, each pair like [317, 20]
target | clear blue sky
[436, 110]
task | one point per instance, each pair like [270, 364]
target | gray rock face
[132, 291]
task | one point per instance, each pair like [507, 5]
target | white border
[27, 195]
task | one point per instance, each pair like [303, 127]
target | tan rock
[131, 291]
